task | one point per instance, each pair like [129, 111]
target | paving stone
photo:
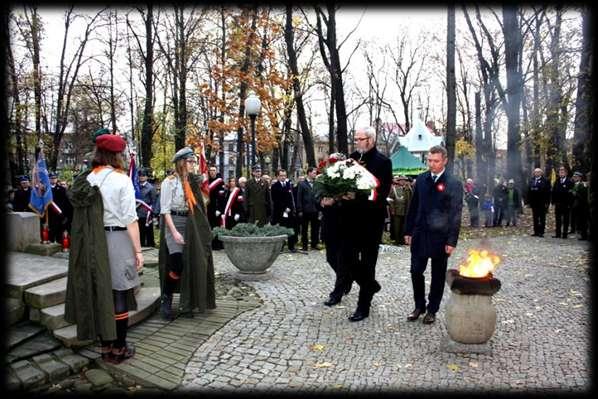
[21, 332]
[40, 343]
[28, 374]
[98, 377]
[55, 369]
[26, 270]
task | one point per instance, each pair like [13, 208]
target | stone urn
[470, 314]
[252, 255]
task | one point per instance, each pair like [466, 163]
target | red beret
[111, 142]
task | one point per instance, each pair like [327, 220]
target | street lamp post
[252, 108]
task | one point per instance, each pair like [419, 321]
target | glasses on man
[361, 138]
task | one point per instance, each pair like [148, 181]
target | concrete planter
[252, 255]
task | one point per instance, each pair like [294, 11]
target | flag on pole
[203, 171]
[41, 193]
[137, 186]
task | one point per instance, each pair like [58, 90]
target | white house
[419, 139]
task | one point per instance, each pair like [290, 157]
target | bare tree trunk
[451, 89]
[16, 127]
[131, 93]
[305, 132]
[513, 50]
[582, 136]
[112, 44]
[556, 150]
[147, 127]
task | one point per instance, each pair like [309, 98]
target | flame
[479, 264]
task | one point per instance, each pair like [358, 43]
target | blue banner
[41, 192]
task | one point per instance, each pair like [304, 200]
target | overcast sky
[378, 26]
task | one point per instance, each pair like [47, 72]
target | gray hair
[242, 179]
[369, 131]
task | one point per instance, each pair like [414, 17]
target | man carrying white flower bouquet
[361, 186]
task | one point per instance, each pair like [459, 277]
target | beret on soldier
[100, 132]
[256, 167]
[111, 143]
[183, 153]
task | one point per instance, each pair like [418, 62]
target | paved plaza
[292, 342]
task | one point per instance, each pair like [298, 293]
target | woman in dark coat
[185, 256]
[105, 252]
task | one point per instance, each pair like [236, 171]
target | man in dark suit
[58, 220]
[259, 206]
[283, 205]
[362, 222]
[432, 230]
[307, 210]
[562, 199]
[217, 202]
[538, 198]
[145, 221]
[22, 196]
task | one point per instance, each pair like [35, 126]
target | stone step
[43, 249]
[41, 343]
[53, 317]
[46, 295]
[21, 332]
[26, 271]
[148, 299]
[16, 310]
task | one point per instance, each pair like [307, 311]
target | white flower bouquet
[344, 177]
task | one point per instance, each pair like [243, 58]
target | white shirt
[172, 196]
[438, 175]
[118, 196]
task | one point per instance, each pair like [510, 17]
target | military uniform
[259, 206]
[216, 206]
[22, 197]
[400, 198]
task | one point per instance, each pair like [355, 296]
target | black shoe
[583, 238]
[332, 301]
[348, 288]
[293, 250]
[541, 235]
[429, 318]
[556, 237]
[377, 287]
[359, 315]
[304, 249]
[534, 235]
[565, 236]
[166, 308]
[415, 314]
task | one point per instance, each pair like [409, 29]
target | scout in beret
[190, 270]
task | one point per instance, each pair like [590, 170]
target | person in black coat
[362, 222]
[307, 210]
[58, 221]
[432, 230]
[217, 202]
[499, 195]
[22, 196]
[283, 205]
[562, 199]
[538, 198]
[149, 195]
[234, 210]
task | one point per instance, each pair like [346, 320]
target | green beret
[183, 153]
[100, 132]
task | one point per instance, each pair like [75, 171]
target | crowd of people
[422, 212]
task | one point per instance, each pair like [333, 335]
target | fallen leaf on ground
[317, 347]
[453, 367]
[473, 364]
[323, 365]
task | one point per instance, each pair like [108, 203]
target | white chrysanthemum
[349, 173]
[332, 172]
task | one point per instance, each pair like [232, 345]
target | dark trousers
[289, 222]
[581, 222]
[474, 216]
[146, 233]
[539, 216]
[398, 229]
[342, 273]
[418, 267]
[561, 216]
[361, 266]
[311, 220]
[499, 213]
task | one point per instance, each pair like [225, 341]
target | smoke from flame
[479, 264]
